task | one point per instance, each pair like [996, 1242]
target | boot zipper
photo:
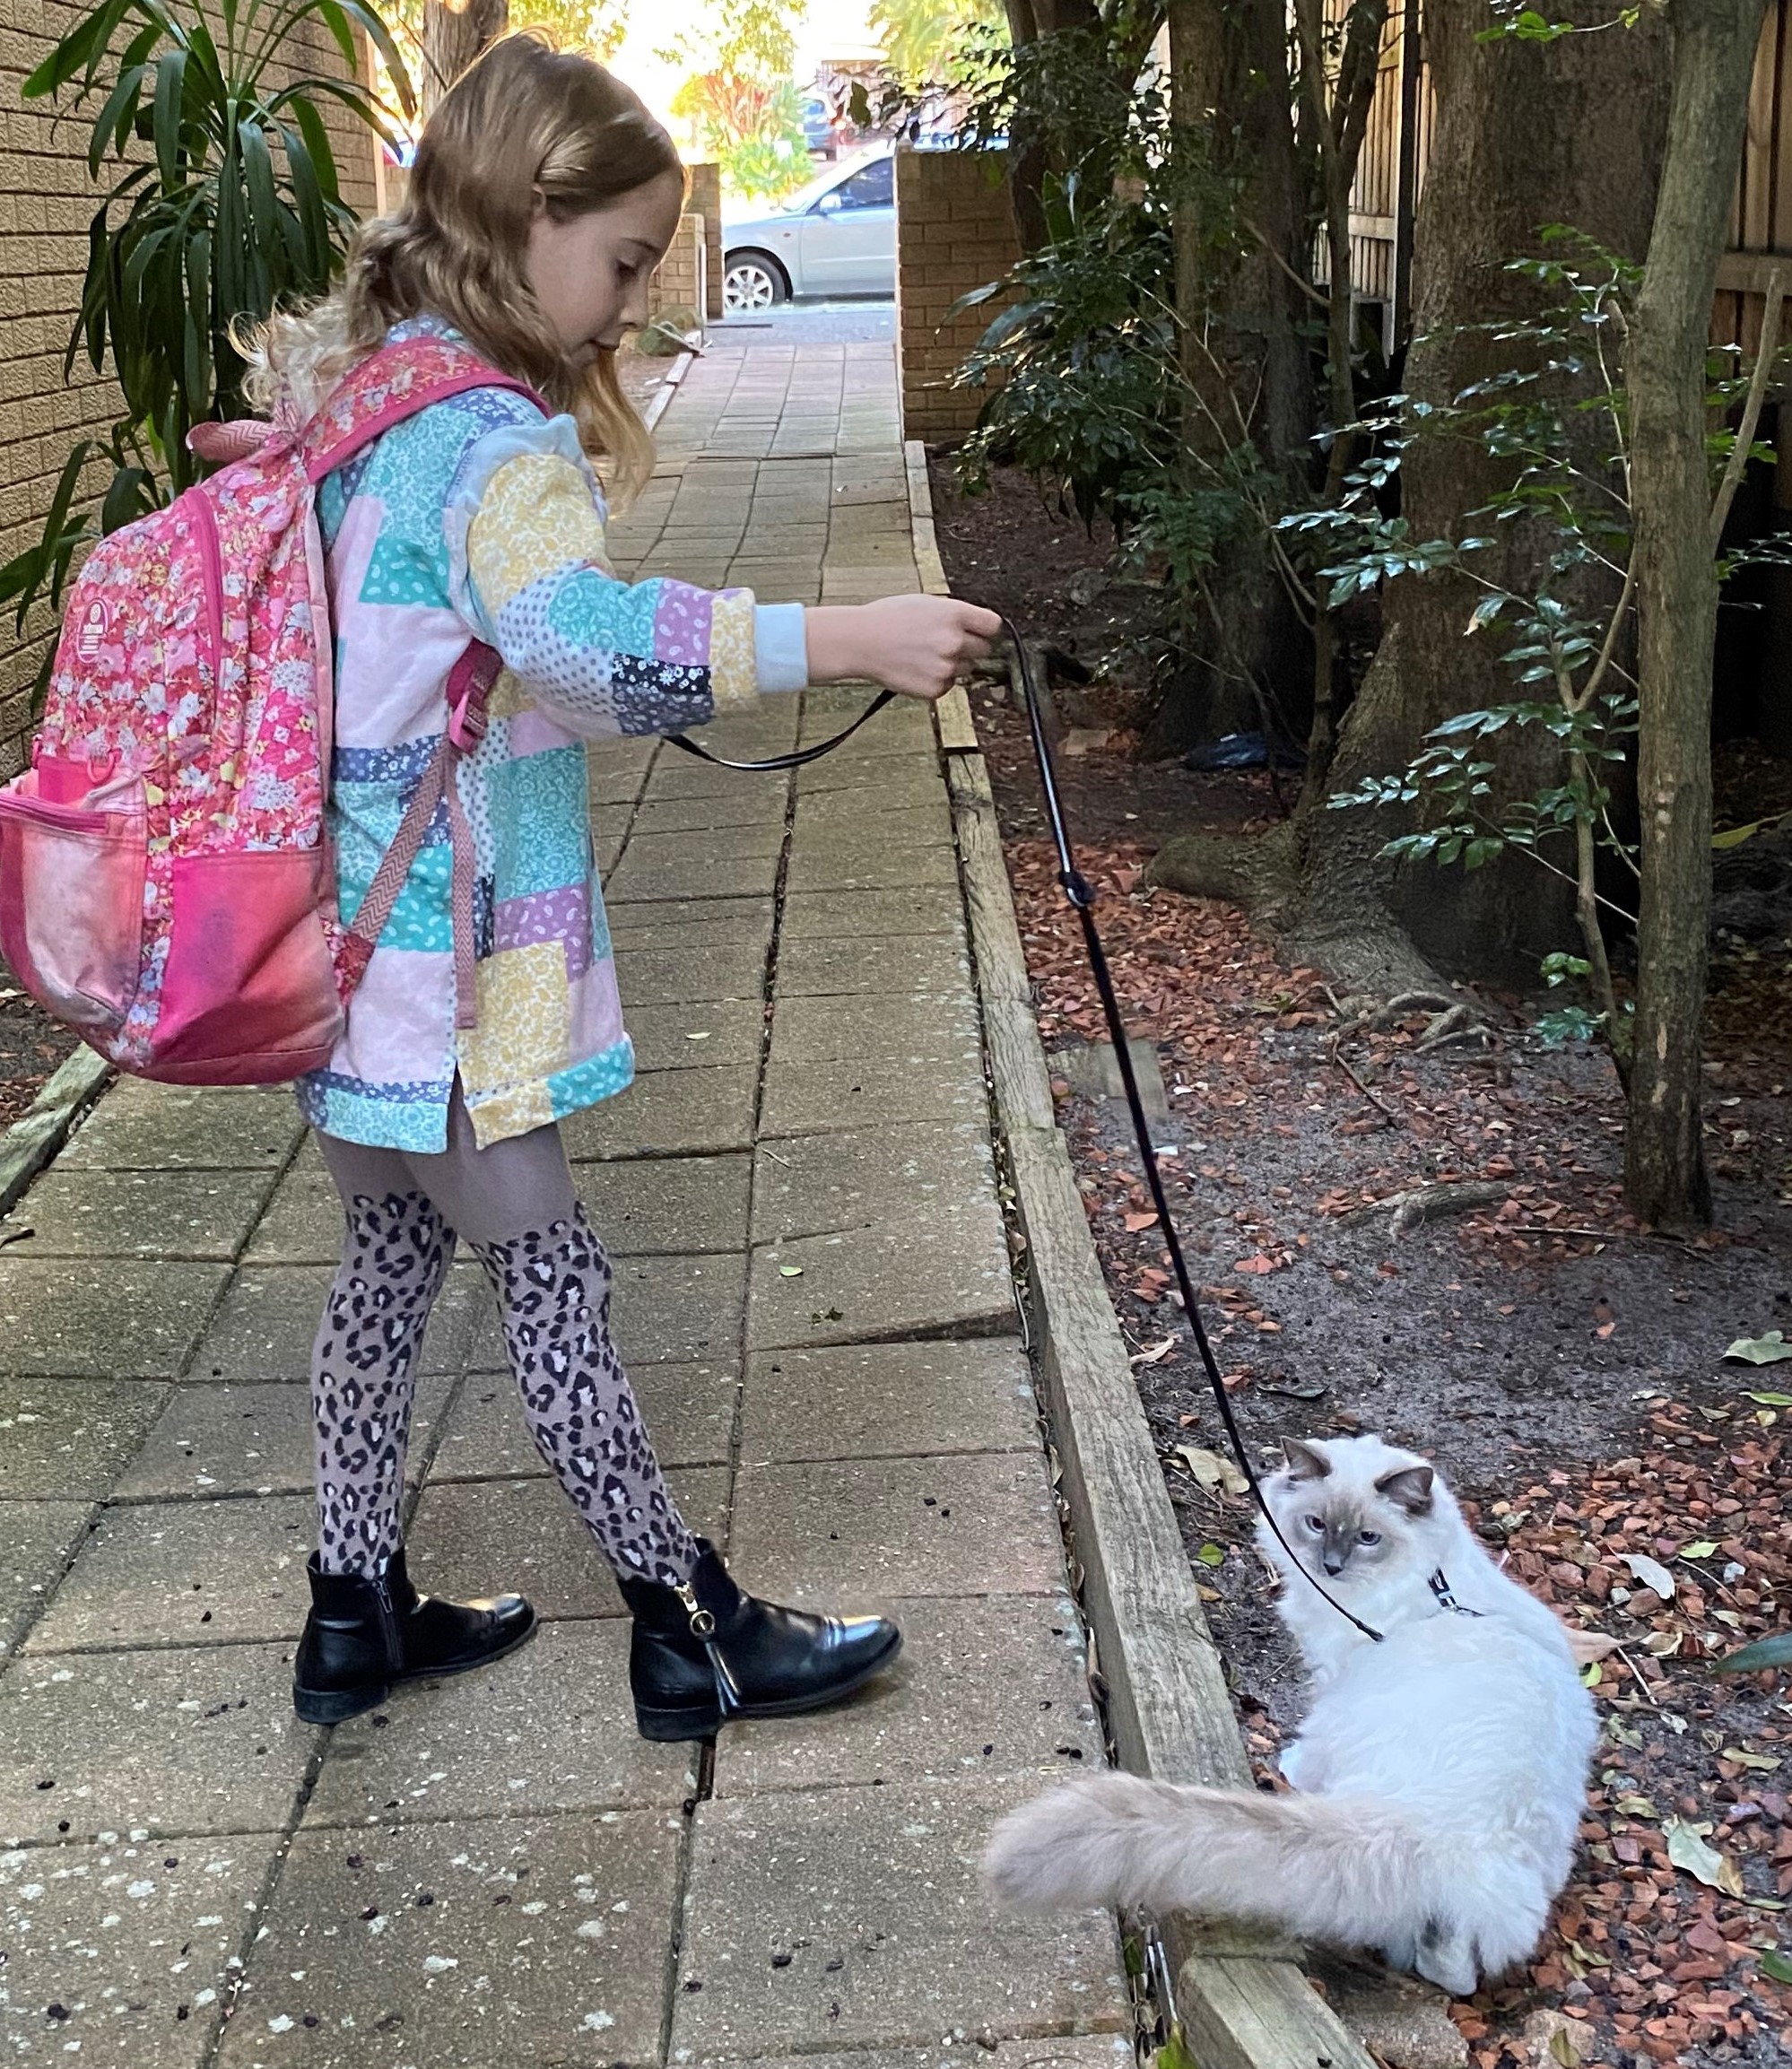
[703, 1627]
[389, 1619]
[702, 1624]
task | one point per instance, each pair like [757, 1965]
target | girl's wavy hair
[526, 119]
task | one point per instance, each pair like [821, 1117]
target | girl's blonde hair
[527, 119]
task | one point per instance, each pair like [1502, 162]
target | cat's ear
[1304, 1462]
[1409, 1489]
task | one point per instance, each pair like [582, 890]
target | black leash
[1081, 893]
[795, 760]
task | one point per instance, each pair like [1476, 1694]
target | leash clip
[1438, 1584]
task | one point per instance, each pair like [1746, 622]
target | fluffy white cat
[1441, 1774]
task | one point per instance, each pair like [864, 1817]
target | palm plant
[224, 203]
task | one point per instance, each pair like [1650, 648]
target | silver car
[836, 235]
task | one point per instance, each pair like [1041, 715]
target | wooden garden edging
[1242, 2001]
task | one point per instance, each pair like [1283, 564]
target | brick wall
[46, 202]
[706, 200]
[681, 282]
[955, 231]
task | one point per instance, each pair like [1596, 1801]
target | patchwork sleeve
[530, 575]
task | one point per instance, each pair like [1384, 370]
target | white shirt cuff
[781, 646]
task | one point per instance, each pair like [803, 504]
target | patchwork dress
[480, 519]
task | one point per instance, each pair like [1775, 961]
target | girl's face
[589, 275]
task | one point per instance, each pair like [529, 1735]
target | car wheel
[753, 281]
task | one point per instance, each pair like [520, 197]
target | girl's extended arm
[606, 656]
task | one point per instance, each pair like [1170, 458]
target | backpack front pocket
[71, 908]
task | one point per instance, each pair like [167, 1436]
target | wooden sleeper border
[1242, 2001]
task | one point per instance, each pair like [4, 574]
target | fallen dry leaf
[1686, 1849]
[1210, 1470]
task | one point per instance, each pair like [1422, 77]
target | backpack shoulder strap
[391, 384]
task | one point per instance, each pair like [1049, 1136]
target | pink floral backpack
[167, 887]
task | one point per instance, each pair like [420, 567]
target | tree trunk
[453, 36]
[1714, 44]
[1568, 132]
[1242, 238]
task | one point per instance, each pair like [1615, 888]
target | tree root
[1410, 1210]
[1257, 872]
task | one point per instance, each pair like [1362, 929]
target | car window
[873, 185]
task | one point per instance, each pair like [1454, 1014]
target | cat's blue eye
[1314, 1522]
[1368, 1537]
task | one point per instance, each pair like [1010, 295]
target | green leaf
[82, 48]
[1703, 1549]
[170, 77]
[1776, 1965]
[1212, 1555]
[1769, 1350]
[1765, 1652]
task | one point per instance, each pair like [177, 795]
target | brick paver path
[813, 1292]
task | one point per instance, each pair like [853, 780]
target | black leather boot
[704, 1652]
[367, 1631]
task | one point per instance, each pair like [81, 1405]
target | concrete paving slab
[856, 1534]
[72, 1438]
[697, 1036]
[769, 728]
[831, 1185]
[676, 774]
[303, 1224]
[872, 1895]
[658, 977]
[530, 1941]
[761, 805]
[983, 1690]
[689, 1410]
[942, 1268]
[134, 1941]
[838, 868]
[38, 1539]
[830, 817]
[668, 1113]
[862, 915]
[887, 1401]
[474, 1537]
[186, 1573]
[905, 727]
[670, 1310]
[617, 787]
[201, 1739]
[103, 1319]
[667, 1204]
[664, 866]
[692, 922]
[265, 1326]
[919, 1026]
[878, 1091]
[889, 967]
[551, 1728]
[851, 768]
[217, 1440]
[140, 1126]
[1064, 2051]
[197, 1216]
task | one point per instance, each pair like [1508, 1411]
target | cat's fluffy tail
[1351, 1871]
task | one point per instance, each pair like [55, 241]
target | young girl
[543, 197]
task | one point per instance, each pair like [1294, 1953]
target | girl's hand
[917, 645]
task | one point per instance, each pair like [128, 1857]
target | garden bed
[31, 1045]
[1564, 1368]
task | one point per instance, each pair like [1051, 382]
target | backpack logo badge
[92, 633]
